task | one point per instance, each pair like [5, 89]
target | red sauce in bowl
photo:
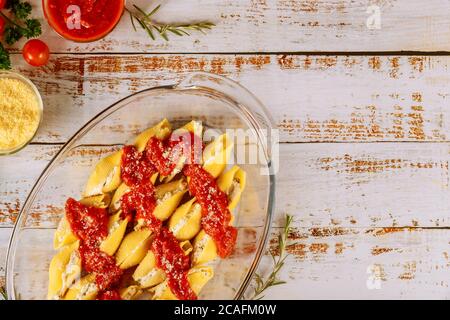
[83, 20]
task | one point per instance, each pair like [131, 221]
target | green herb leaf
[262, 284]
[148, 24]
[140, 10]
[33, 28]
[5, 62]
[132, 22]
[154, 11]
[20, 9]
[13, 34]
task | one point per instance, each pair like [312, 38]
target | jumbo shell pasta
[168, 197]
[185, 222]
[84, 289]
[217, 154]
[197, 277]
[143, 231]
[64, 270]
[133, 249]
[116, 232]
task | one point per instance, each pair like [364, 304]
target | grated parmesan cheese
[19, 113]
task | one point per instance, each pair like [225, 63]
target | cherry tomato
[2, 26]
[2, 4]
[36, 53]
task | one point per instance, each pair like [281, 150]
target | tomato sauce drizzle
[139, 203]
[90, 225]
[135, 167]
[87, 222]
[172, 260]
[159, 155]
[109, 295]
[166, 154]
[215, 214]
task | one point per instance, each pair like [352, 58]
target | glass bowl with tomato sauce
[83, 20]
[221, 105]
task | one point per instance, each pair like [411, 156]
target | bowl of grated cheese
[21, 111]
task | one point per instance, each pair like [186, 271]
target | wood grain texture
[354, 263]
[312, 98]
[359, 263]
[334, 185]
[281, 26]
[370, 201]
[5, 234]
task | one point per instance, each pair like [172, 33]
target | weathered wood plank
[354, 263]
[5, 234]
[323, 185]
[281, 26]
[312, 98]
[379, 263]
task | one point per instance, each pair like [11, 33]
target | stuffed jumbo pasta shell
[217, 154]
[133, 248]
[65, 269]
[117, 196]
[168, 197]
[194, 127]
[99, 201]
[161, 131]
[233, 182]
[205, 249]
[116, 232]
[131, 292]
[197, 278]
[63, 235]
[147, 274]
[106, 175]
[84, 289]
[185, 222]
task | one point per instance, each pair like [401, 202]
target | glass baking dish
[220, 104]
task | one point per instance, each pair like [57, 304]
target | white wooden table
[365, 128]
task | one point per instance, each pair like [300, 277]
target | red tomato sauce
[86, 222]
[135, 167]
[109, 295]
[90, 225]
[172, 260]
[139, 203]
[166, 154]
[96, 17]
[107, 273]
[215, 214]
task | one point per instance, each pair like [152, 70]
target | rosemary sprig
[150, 26]
[278, 263]
[3, 293]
